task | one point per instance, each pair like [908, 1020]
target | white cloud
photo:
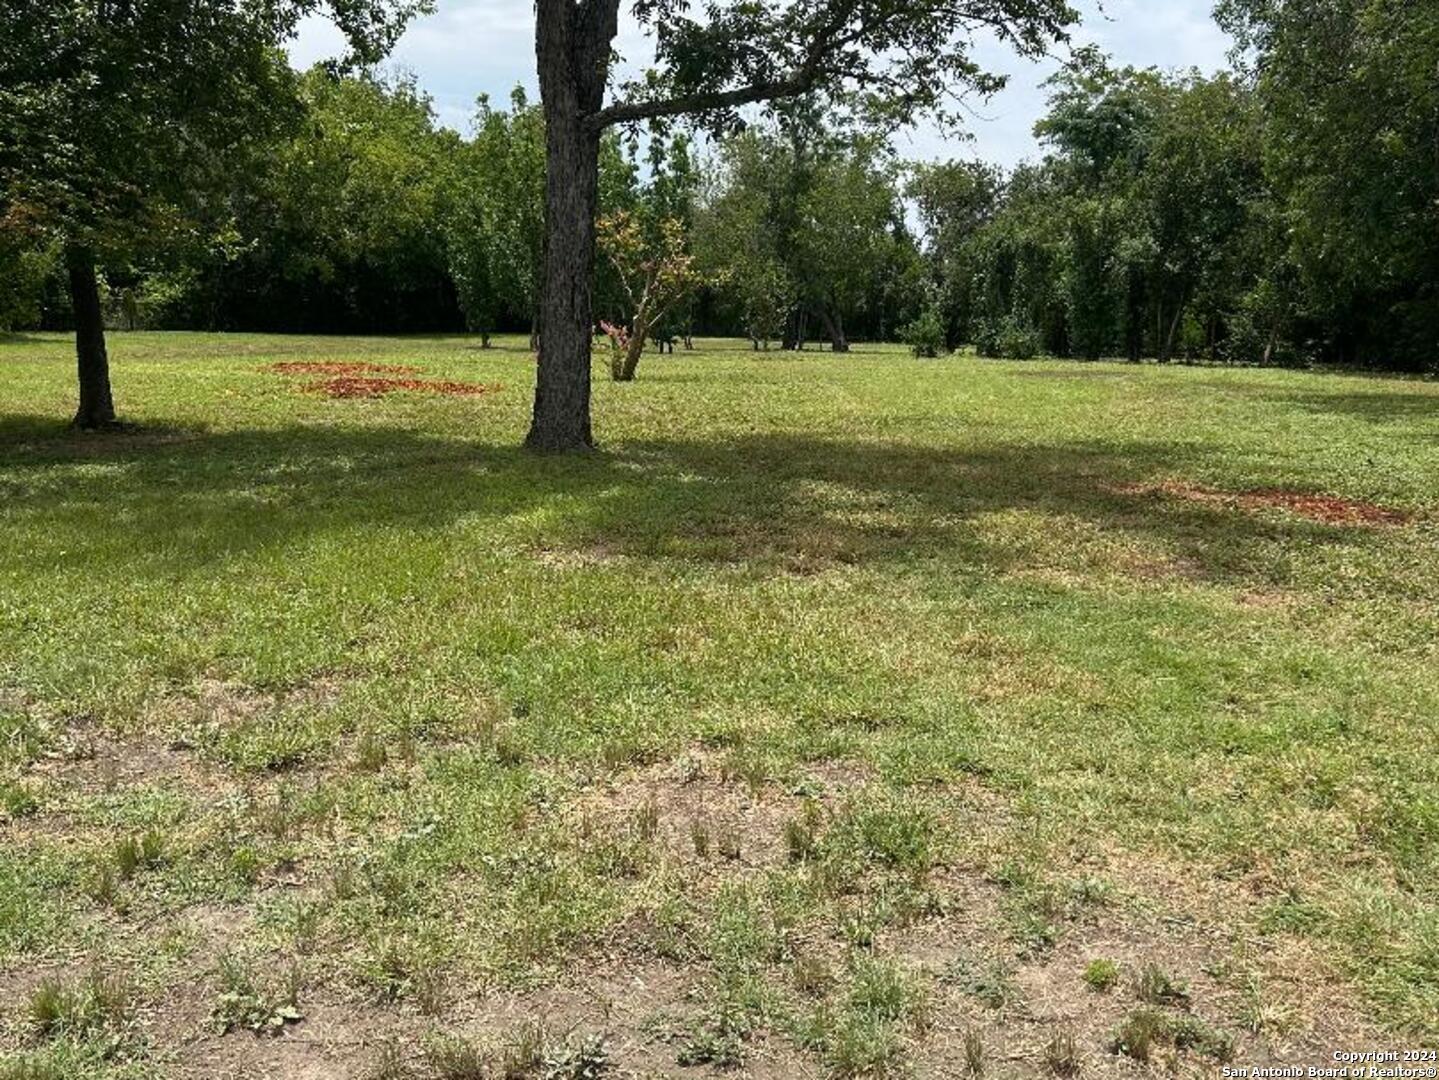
[469, 47]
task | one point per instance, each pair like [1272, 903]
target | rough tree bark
[572, 45]
[97, 406]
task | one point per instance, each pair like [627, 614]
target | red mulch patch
[349, 386]
[314, 367]
[1328, 509]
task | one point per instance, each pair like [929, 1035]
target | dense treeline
[1285, 212]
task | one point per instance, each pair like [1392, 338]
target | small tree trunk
[1173, 333]
[97, 407]
[1271, 344]
[634, 349]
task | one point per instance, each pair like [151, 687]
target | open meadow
[843, 715]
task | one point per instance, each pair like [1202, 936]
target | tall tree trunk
[97, 407]
[572, 50]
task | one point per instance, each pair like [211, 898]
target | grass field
[847, 715]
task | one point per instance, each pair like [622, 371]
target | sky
[470, 47]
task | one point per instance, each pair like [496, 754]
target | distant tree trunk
[1272, 343]
[1167, 353]
[97, 407]
[796, 331]
[834, 327]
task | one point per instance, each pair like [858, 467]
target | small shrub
[585, 1058]
[1101, 975]
[1008, 338]
[718, 1040]
[925, 336]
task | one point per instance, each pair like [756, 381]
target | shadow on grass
[169, 500]
[1380, 407]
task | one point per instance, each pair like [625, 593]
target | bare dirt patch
[1326, 509]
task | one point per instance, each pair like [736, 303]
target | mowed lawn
[846, 715]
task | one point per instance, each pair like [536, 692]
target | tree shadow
[162, 501]
[1381, 406]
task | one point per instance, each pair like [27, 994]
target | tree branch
[626, 112]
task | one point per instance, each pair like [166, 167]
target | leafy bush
[1007, 339]
[925, 336]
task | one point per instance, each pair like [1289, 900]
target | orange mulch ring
[315, 367]
[1328, 509]
[348, 386]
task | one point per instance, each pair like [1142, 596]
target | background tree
[341, 226]
[954, 200]
[904, 54]
[496, 236]
[656, 276]
[119, 114]
[1350, 103]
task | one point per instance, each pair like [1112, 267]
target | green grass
[361, 689]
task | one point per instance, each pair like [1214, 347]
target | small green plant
[1101, 975]
[582, 1058]
[1192, 1033]
[17, 800]
[1139, 1033]
[861, 1045]
[135, 853]
[717, 1041]
[247, 1001]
